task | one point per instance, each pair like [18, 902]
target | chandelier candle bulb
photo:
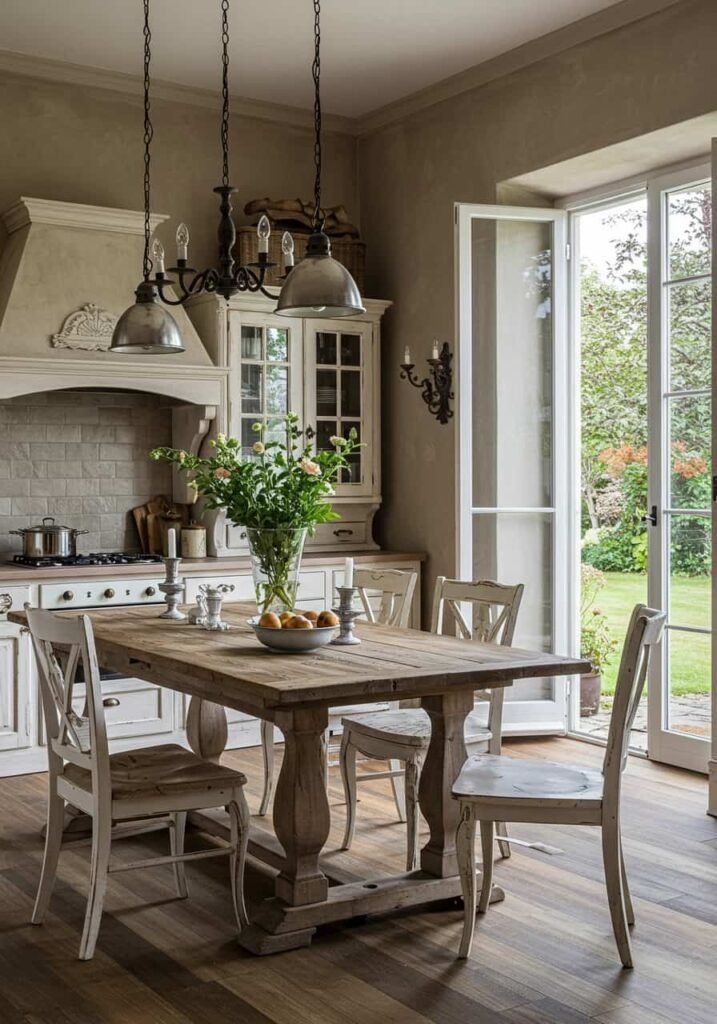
[287, 250]
[263, 230]
[182, 241]
[158, 256]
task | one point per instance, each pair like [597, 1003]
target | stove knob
[68, 595]
[151, 591]
[109, 593]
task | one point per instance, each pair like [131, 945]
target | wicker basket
[347, 251]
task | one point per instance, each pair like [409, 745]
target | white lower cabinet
[145, 714]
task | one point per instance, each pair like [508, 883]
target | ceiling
[374, 52]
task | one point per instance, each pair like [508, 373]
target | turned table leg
[444, 760]
[301, 806]
[206, 728]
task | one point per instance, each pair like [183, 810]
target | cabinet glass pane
[350, 349]
[512, 364]
[690, 307]
[689, 231]
[690, 452]
[324, 430]
[326, 404]
[248, 437]
[352, 473]
[351, 393]
[277, 390]
[277, 344]
[326, 348]
[251, 342]
[251, 387]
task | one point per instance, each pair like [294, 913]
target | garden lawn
[690, 606]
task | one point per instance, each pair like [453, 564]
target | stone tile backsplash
[81, 456]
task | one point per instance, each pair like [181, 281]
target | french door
[680, 438]
[513, 522]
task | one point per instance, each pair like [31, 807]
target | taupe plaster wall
[655, 72]
[85, 146]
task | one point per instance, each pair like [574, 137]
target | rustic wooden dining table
[232, 669]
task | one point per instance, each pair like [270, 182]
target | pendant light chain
[316, 72]
[148, 133]
[225, 93]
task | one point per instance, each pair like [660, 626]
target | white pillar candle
[349, 572]
[172, 543]
[435, 349]
[406, 356]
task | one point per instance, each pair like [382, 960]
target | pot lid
[48, 525]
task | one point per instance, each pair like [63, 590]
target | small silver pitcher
[213, 597]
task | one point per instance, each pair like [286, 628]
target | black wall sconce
[435, 389]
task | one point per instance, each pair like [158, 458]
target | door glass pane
[690, 573]
[689, 231]
[517, 548]
[277, 390]
[690, 310]
[248, 437]
[350, 349]
[326, 397]
[512, 364]
[251, 387]
[277, 344]
[690, 452]
[326, 348]
[350, 393]
[689, 704]
[251, 347]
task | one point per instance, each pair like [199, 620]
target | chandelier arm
[317, 221]
[148, 134]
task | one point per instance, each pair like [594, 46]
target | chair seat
[487, 777]
[411, 726]
[165, 770]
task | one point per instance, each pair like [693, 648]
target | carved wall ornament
[89, 328]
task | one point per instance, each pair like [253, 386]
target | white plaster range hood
[67, 272]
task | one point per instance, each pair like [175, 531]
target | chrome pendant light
[147, 327]
[319, 286]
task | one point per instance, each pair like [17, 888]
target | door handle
[651, 517]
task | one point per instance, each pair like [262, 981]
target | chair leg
[502, 830]
[465, 854]
[399, 788]
[487, 835]
[53, 842]
[177, 829]
[267, 746]
[239, 819]
[347, 764]
[413, 771]
[629, 911]
[101, 842]
[615, 893]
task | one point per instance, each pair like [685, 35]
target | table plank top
[234, 669]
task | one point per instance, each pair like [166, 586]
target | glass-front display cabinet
[327, 371]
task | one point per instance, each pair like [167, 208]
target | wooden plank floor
[544, 956]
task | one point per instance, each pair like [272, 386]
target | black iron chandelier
[319, 286]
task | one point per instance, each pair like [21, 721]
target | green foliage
[283, 486]
[596, 642]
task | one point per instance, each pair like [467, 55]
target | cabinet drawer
[143, 709]
[338, 533]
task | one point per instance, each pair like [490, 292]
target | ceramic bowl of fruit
[295, 632]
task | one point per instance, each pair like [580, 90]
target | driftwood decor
[89, 329]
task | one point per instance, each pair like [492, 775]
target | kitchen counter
[10, 573]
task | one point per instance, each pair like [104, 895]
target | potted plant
[596, 643]
[277, 494]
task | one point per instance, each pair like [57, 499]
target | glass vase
[275, 563]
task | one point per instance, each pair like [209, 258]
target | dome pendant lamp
[319, 286]
[147, 327]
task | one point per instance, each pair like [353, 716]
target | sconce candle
[436, 388]
[407, 356]
[434, 353]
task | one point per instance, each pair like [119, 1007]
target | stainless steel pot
[48, 540]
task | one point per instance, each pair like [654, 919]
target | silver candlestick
[172, 588]
[347, 613]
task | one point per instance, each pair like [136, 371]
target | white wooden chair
[403, 735]
[394, 589]
[145, 789]
[492, 789]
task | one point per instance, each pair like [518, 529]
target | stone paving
[689, 713]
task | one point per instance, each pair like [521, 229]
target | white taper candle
[349, 572]
[172, 543]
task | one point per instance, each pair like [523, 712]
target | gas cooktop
[96, 558]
